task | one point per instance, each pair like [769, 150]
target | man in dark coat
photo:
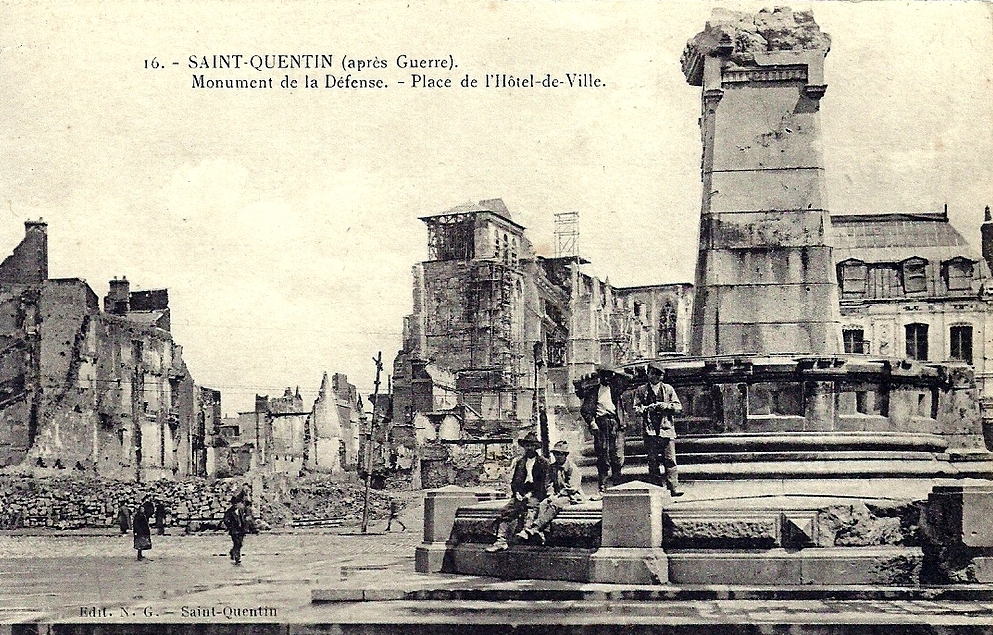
[657, 402]
[528, 487]
[601, 410]
[142, 532]
[237, 525]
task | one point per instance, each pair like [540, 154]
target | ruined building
[279, 435]
[104, 391]
[498, 333]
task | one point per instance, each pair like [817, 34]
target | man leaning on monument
[657, 402]
[528, 487]
[564, 488]
[601, 412]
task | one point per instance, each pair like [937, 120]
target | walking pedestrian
[602, 413]
[123, 517]
[395, 515]
[160, 518]
[142, 532]
[237, 526]
[657, 402]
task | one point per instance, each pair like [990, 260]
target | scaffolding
[567, 235]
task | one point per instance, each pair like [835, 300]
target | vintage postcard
[451, 316]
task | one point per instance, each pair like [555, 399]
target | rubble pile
[326, 499]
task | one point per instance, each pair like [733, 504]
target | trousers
[608, 442]
[662, 450]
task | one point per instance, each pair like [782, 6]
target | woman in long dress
[142, 531]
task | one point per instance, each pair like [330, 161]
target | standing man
[657, 402]
[565, 484]
[601, 411]
[237, 525]
[528, 487]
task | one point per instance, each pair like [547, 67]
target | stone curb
[656, 593]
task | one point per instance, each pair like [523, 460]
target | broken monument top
[744, 37]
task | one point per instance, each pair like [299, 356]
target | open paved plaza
[91, 581]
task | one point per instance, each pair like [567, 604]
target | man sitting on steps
[565, 485]
[528, 487]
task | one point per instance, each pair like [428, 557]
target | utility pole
[538, 403]
[378, 361]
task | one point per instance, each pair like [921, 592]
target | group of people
[656, 403]
[540, 489]
[238, 521]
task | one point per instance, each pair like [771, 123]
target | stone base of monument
[639, 535]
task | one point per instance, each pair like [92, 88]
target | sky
[284, 222]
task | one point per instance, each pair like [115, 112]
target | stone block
[521, 562]
[440, 507]
[773, 567]
[893, 566]
[430, 557]
[722, 530]
[757, 190]
[775, 266]
[619, 565]
[959, 515]
[772, 127]
[749, 230]
[632, 515]
[983, 568]
[801, 301]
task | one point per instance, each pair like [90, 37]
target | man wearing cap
[528, 487]
[564, 489]
[657, 402]
[601, 412]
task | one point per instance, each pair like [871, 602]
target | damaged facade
[101, 391]
[499, 333]
[279, 435]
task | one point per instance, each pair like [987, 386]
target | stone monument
[802, 465]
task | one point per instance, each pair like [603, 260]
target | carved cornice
[781, 45]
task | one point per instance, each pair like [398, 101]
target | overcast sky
[284, 222]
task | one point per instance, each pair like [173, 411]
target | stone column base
[629, 565]
[429, 557]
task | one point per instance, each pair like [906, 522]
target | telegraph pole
[378, 361]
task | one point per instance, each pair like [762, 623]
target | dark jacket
[588, 409]
[235, 521]
[539, 488]
[142, 532]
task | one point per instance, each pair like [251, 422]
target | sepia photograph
[496, 317]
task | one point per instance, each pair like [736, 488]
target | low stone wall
[80, 502]
[77, 502]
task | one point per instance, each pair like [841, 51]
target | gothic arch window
[667, 328]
